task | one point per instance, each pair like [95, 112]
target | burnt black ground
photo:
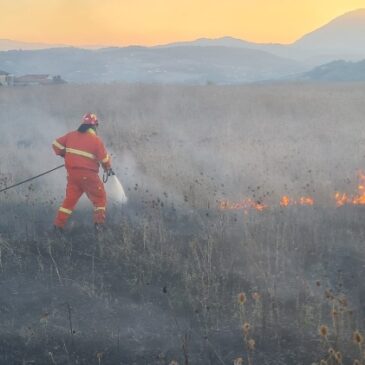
[133, 294]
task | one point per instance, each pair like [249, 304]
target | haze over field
[170, 269]
[277, 133]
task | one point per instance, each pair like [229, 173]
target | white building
[6, 79]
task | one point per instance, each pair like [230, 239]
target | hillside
[345, 33]
[198, 65]
[223, 60]
[342, 38]
[9, 45]
[336, 71]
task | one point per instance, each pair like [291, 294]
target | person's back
[83, 152]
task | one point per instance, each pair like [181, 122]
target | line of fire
[339, 198]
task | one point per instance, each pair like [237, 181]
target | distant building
[32, 80]
[58, 80]
[3, 76]
[37, 79]
[6, 79]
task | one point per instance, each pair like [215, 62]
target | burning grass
[339, 199]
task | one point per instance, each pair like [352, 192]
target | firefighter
[83, 152]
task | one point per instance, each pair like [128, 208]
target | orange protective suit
[83, 153]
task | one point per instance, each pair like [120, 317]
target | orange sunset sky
[150, 22]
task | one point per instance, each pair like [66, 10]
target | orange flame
[341, 199]
[306, 200]
[285, 201]
[358, 199]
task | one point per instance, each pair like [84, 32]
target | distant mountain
[336, 71]
[206, 42]
[199, 65]
[7, 45]
[223, 61]
[345, 33]
[276, 49]
[342, 38]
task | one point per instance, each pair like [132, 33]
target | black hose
[30, 179]
[106, 175]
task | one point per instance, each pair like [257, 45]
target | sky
[151, 22]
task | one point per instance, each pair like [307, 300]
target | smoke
[186, 147]
[194, 143]
[26, 138]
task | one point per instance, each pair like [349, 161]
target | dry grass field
[191, 270]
